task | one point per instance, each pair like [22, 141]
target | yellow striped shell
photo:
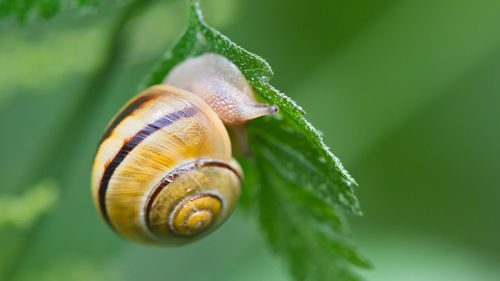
[164, 172]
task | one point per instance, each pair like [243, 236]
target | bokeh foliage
[20, 11]
[406, 93]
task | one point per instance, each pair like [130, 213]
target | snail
[164, 172]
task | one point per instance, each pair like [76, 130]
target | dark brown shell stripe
[177, 173]
[130, 144]
[138, 103]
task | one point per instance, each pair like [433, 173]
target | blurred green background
[407, 94]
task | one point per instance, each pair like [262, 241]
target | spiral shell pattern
[163, 172]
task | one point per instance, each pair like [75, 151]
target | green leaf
[298, 159]
[21, 10]
[299, 187]
[308, 233]
[299, 204]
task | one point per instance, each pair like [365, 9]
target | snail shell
[164, 172]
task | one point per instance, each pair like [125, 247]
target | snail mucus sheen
[164, 171]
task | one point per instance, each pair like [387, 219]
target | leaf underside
[298, 186]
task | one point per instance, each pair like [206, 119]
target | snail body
[164, 171]
[222, 86]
